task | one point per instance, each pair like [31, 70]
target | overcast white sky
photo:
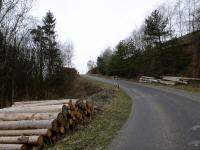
[93, 25]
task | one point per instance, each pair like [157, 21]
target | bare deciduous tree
[91, 65]
[68, 53]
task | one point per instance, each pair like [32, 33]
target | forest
[167, 43]
[33, 64]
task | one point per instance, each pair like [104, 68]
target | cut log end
[35, 140]
[40, 140]
[23, 147]
[60, 117]
[49, 133]
[62, 130]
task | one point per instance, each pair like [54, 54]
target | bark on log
[65, 110]
[167, 82]
[28, 116]
[38, 109]
[40, 147]
[43, 132]
[62, 122]
[47, 102]
[60, 117]
[13, 147]
[27, 124]
[36, 140]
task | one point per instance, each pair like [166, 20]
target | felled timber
[28, 116]
[28, 124]
[167, 82]
[36, 140]
[45, 102]
[13, 147]
[34, 109]
[145, 79]
[43, 132]
[175, 79]
[190, 79]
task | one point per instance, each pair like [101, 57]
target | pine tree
[49, 60]
[54, 61]
[156, 28]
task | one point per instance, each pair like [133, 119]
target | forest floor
[113, 108]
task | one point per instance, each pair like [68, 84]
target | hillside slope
[191, 44]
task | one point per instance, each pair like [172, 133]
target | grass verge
[190, 88]
[103, 127]
[194, 88]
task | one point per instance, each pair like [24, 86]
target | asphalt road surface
[161, 119]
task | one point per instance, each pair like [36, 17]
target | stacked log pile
[180, 80]
[26, 125]
[168, 80]
[145, 79]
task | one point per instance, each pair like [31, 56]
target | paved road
[161, 119]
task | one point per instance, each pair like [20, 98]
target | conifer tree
[54, 61]
[155, 31]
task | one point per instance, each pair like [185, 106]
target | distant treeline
[160, 47]
[31, 58]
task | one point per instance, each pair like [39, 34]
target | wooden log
[82, 106]
[62, 130]
[65, 110]
[44, 103]
[167, 82]
[28, 124]
[13, 147]
[146, 77]
[55, 126]
[174, 79]
[38, 109]
[190, 79]
[40, 147]
[43, 132]
[29, 116]
[62, 122]
[60, 117]
[148, 81]
[36, 140]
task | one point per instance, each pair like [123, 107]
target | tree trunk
[36, 140]
[28, 124]
[34, 109]
[13, 147]
[45, 102]
[43, 132]
[28, 116]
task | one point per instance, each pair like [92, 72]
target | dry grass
[83, 88]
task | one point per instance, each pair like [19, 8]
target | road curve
[161, 119]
